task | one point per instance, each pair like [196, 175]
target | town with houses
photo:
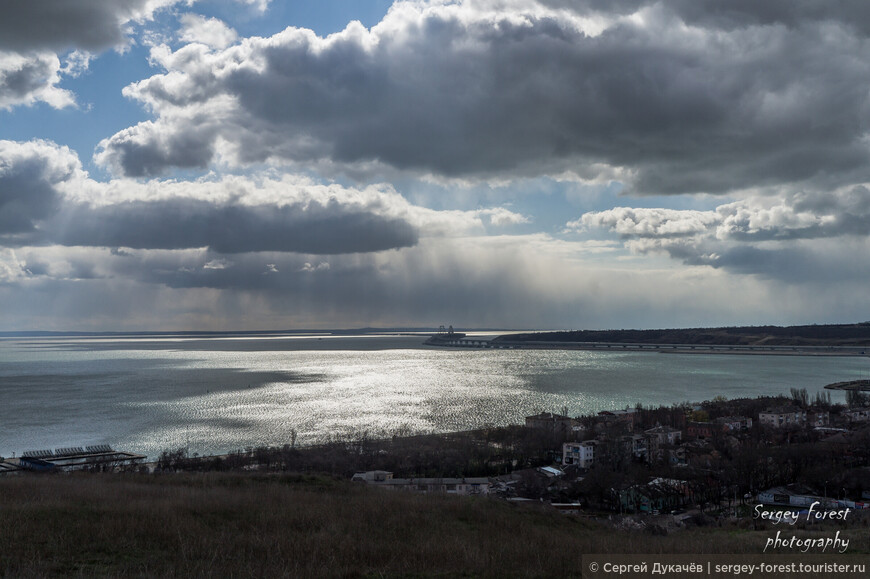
[677, 461]
[681, 461]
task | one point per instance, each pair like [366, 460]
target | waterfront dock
[92, 458]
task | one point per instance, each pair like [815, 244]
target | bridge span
[464, 342]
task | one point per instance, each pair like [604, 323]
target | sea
[214, 394]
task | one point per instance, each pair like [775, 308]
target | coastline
[193, 506]
[733, 349]
[851, 386]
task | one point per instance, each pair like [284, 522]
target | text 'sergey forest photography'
[574, 279]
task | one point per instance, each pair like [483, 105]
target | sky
[527, 164]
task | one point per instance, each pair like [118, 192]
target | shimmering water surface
[148, 394]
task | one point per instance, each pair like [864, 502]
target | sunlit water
[220, 394]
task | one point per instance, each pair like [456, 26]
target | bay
[217, 394]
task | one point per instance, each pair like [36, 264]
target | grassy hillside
[258, 525]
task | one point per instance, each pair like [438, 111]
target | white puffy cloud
[658, 222]
[32, 78]
[310, 268]
[798, 236]
[209, 31]
[259, 5]
[218, 264]
[501, 217]
[36, 35]
[11, 268]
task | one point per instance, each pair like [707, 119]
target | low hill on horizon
[811, 335]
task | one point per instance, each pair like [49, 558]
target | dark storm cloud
[58, 25]
[457, 92]
[29, 175]
[184, 223]
[729, 14]
[797, 264]
[25, 196]
[792, 261]
[44, 200]
[32, 75]
[791, 13]
[436, 281]
[189, 149]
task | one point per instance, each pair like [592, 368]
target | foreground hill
[814, 335]
[244, 525]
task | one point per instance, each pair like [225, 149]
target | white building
[579, 453]
[453, 486]
[857, 414]
[372, 476]
[735, 423]
[819, 418]
[782, 416]
[637, 445]
[665, 435]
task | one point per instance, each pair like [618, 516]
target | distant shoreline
[851, 386]
[733, 349]
[812, 340]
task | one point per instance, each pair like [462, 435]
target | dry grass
[235, 525]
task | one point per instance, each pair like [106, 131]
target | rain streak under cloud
[508, 163]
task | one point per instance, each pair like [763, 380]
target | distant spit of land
[851, 386]
[839, 335]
